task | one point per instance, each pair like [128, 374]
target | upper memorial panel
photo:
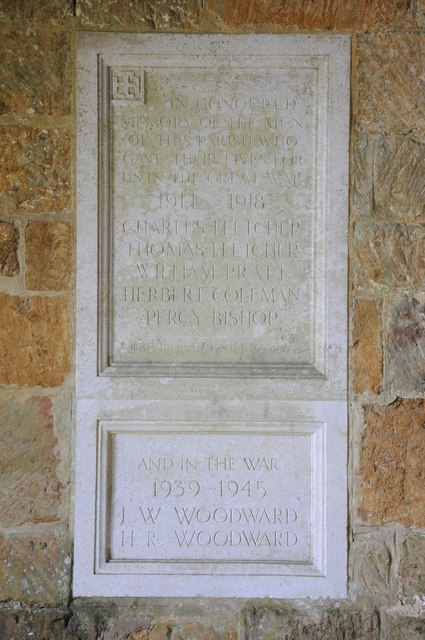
[214, 226]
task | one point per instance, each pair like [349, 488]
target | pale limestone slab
[195, 504]
[218, 492]
[215, 203]
[222, 202]
[212, 268]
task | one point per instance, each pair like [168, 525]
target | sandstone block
[35, 568]
[35, 170]
[148, 623]
[420, 13]
[35, 71]
[90, 622]
[147, 631]
[367, 345]
[151, 14]
[9, 239]
[309, 14]
[392, 465]
[350, 624]
[36, 11]
[412, 569]
[189, 630]
[34, 340]
[388, 84]
[362, 176]
[42, 624]
[399, 179]
[406, 346]
[406, 628]
[48, 256]
[389, 178]
[388, 257]
[30, 490]
[372, 560]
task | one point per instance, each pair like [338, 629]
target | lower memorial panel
[228, 498]
[212, 499]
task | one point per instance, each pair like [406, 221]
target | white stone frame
[322, 232]
[107, 430]
[325, 576]
[249, 395]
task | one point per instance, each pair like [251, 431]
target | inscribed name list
[213, 198]
[197, 496]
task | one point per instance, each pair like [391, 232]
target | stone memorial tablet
[212, 215]
[198, 495]
[214, 205]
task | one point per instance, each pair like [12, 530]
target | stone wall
[387, 324]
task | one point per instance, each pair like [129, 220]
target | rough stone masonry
[387, 345]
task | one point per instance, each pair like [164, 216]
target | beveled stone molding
[211, 315]
[245, 506]
[251, 279]
[242, 505]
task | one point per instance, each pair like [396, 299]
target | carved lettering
[249, 538]
[213, 225]
[166, 503]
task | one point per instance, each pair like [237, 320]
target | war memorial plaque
[214, 206]
[212, 199]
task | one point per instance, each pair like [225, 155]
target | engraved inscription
[218, 215]
[238, 506]
[211, 237]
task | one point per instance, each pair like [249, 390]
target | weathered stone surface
[34, 170]
[34, 340]
[161, 631]
[42, 624]
[35, 568]
[389, 178]
[190, 630]
[308, 14]
[406, 345]
[9, 239]
[361, 175]
[355, 624]
[48, 256]
[152, 14]
[372, 559]
[239, 14]
[406, 628]
[30, 490]
[57, 624]
[388, 84]
[367, 345]
[132, 630]
[93, 621]
[387, 257]
[420, 13]
[263, 624]
[392, 464]
[162, 621]
[412, 569]
[372, 564]
[32, 80]
[399, 179]
[35, 11]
